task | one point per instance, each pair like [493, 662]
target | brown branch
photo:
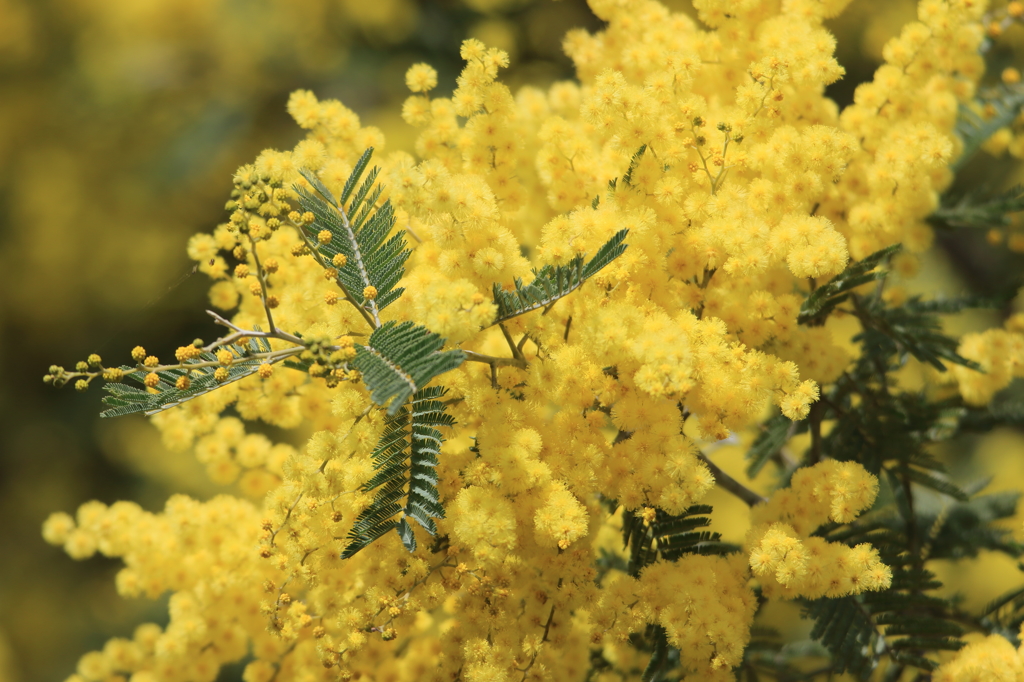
[731, 484]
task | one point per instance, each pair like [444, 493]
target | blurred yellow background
[121, 122]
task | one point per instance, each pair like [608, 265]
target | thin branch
[516, 351]
[240, 332]
[495, 362]
[264, 287]
[731, 484]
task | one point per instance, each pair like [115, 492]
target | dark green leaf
[553, 282]
[359, 230]
[126, 399]
[400, 359]
[405, 461]
[827, 296]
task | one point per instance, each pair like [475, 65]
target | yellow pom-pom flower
[421, 78]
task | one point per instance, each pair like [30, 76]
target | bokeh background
[121, 123]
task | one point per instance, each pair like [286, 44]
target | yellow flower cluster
[702, 602]
[202, 554]
[789, 562]
[741, 185]
[828, 491]
[999, 352]
[992, 659]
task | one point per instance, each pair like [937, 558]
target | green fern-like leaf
[905, 622]
[972, 212]
[126, 399]
[405, 460]
[659, 657]
[359, 230]
[845, 628]
[553, 282]
[400, 359]
[634, 162]
[913, 328]
[669, 537]
[837, 290]
[1002, 106]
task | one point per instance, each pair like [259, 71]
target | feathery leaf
[400, 359]
[405, 462]
[669, 537]
[1004, 103]
[359, 230]
[634, 161]
[126, 399]
[826, 297]
[553, 282]
[971, 212]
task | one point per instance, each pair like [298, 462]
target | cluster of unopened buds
[330, 361]
[1001, 20]
[188, 358]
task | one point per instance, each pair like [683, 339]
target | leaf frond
[124, 399]
[359, 225]
[400, 359]
[405, 459]
[551, 283]
[1001, 106]
[826, 297]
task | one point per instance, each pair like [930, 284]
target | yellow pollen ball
[330, 298]
[151, 380]
[421, 78]
[324, 236]
[241, 271]
[266, 370]
[183, 383]
[339, 260]
[370, 293]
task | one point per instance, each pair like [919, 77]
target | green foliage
[921, 514]
[405, 460]
[400, 359]
[659, 655]
[359, 231]
[912, 328]
[669, 537]
[551, 283]
[396, 364]
[824, 299]
[1004, 615]
[970, 211]
[906, 622]
[125, 399]
[1002, 105]
[634, 162]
